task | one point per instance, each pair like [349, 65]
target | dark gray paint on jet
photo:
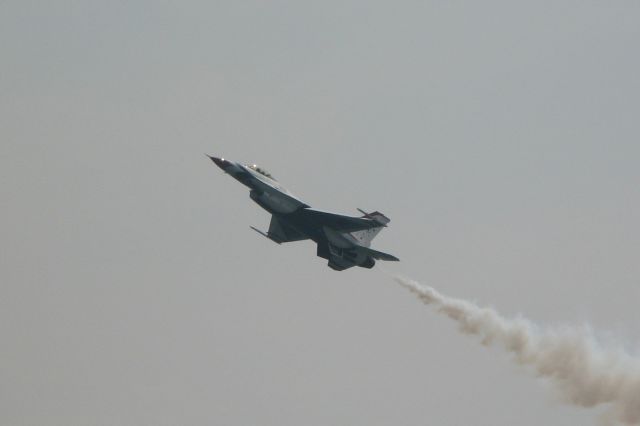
[342, 240]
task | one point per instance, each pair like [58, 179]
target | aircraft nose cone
[220, 162]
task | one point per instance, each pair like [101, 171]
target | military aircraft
[342, 240]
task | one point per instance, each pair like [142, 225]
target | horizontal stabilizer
[377, 254]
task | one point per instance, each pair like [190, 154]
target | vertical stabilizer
[365, 237]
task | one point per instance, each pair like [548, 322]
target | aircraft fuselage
[342, 240]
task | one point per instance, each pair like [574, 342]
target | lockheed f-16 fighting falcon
[342, 240]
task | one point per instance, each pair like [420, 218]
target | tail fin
[377, 216]
[366, 236]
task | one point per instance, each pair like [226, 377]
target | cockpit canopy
[260, 170]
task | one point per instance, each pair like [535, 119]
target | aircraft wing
[280, 232]
[338, 222]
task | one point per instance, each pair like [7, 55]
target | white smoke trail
[585, 373]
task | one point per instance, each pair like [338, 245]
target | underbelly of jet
[275, 202]
[343, 258]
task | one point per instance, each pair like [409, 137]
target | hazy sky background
[501, 138]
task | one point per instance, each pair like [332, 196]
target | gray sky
[501, 138]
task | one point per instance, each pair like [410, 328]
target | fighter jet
[343, 240]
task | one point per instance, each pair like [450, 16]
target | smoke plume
[585, 373]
